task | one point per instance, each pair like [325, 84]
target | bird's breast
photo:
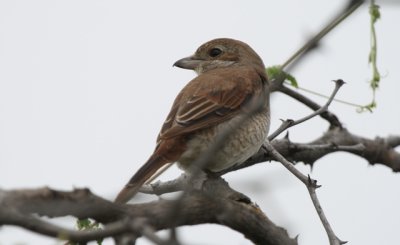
[238, 147]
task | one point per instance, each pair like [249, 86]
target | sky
[86, 85]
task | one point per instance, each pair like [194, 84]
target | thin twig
[326, 147]
[326, 97]
[311, 185]
[314, 41]
[329, 116]
[333, 239]
[290, 123]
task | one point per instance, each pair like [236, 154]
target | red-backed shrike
[230, 77]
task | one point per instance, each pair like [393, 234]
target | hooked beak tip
[189, 63]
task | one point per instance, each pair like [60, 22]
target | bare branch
[313, 42]
[393, 141]
[375, 151]
[34, 224]
[217, 203]
[13, 217]
[329, 116]
[159, 188]
[290, 123]
[311, 185]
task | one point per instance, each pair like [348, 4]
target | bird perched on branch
[231, 81]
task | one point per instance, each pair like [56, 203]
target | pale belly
[239, 146]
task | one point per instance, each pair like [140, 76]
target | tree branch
[311, 185]
[217, 203]
[375, 151]
[32, 223]
[327, 115]
[318, 111]
[314, 41]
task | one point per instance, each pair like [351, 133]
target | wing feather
[211, 98]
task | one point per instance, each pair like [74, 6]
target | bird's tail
[148, 170]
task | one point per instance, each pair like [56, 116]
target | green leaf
[83, 224]
[87, 224]
[292, 80]
[274, 71]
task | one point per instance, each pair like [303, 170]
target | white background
[86, 85]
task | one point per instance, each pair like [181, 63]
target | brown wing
[209, 99]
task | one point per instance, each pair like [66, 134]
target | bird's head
[221, 53]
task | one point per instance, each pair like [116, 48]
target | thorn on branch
[313, 183]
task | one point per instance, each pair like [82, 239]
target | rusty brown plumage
[230, 76]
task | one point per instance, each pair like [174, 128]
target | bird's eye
[214, 52]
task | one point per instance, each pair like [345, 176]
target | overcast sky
[86, 85]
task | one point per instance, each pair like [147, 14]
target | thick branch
[375, 151]
[231, 209]
[35, 224]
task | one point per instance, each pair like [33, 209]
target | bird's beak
[190, 63]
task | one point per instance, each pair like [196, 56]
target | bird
[231, 78]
